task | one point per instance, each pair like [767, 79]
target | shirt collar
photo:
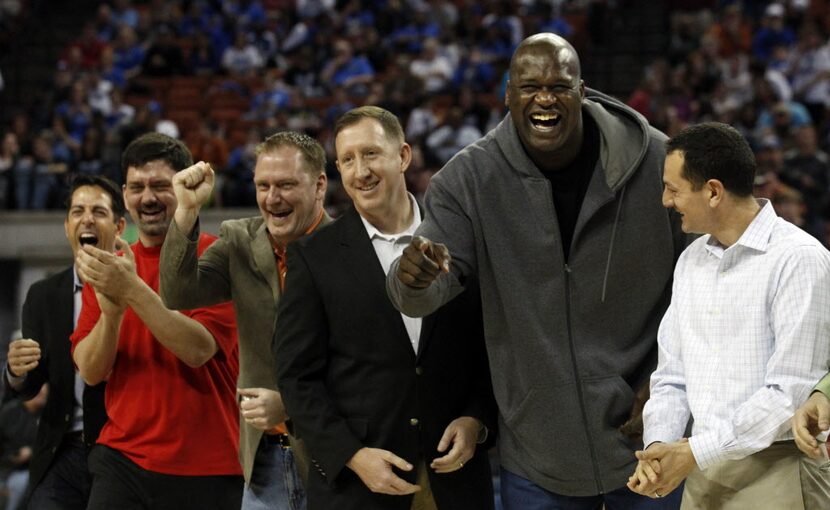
[757, 234]
[407, 232]
[77, 280]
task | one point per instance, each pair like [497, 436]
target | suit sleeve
[301, 350]
[188, 280]
[824, 386]
[32, 327]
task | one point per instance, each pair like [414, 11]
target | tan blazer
[240, 266]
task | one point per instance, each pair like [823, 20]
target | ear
[581, 89]
[322, 185]
[66, 226]
[507, 95]
[716, 192]
[120, 225]
[406, 156]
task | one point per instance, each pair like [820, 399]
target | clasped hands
[661, 468]
[111, 275]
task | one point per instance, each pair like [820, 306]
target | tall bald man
[557, 212]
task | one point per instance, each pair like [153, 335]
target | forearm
[95, 354]
[186, 280]
[420, 302]
[186, 338]
[186, 218]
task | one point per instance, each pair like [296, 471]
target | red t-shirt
[163, 415]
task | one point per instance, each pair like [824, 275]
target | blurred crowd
[222, 74]
[764, 68]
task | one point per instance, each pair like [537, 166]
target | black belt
[278, 439]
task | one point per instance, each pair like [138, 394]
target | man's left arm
[800, 324]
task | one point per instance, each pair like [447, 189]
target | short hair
[388, 121]
[311, 150]
[712, 150]
[109, 187]
[156, 146]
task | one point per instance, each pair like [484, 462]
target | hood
[624, 135]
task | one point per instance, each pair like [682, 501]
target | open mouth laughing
[545, 121]
[88, 238]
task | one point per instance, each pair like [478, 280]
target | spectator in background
[129, 52]
[733, 31]
[18, 425]
[164, 57]
[773, 32]
[123, 13]
[450, 137]
[434, 69]
[347, 70]
[90, 46]
[35, 177]
[9, 154]
[202, 60]
[810, 73]
[243, 58]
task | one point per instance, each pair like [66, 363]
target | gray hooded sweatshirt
[568, 343]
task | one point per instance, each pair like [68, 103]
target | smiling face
[90, 220]
[372, 166]
[288, 196]
[544, 95]
[150, 200]
[679, 194]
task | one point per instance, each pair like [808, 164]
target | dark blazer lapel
[363, 261]
[263, 255]
[65, 303]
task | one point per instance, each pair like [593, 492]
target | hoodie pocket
[608, 402]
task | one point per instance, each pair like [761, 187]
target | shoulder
[241, 226]
[51, 282]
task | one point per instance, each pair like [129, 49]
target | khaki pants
[423, 499]
[777, 478]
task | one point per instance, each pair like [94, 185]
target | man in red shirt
[170, 441]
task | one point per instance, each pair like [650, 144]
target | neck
[395, 217]
[150, 241]
[736, 219]
[562, 158]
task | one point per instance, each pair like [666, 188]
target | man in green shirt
[812, 418]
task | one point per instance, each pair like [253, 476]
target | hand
[109, 274]
[633, 427]
[809, 421]
[675, 462]
[645, 478]
[261, 408]
[462, 434]
[422, 261]
[24, 356]
[193, 185]
[374, 467]
[22, 456]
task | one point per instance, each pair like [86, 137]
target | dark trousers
[117, 482]
[518, 493]
[65, 486]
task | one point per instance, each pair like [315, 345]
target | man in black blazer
[389, 406]
[74, 413]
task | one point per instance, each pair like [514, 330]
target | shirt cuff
[14, 381]
[706, 450]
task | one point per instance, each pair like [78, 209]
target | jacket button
[66, 418]
[419, 370]
[414, 422]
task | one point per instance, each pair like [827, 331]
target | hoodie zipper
[595, 462]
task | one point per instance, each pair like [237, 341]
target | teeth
[544, 116]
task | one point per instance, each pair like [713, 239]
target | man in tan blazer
[247, 265]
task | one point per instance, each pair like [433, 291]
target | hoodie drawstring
[611, 247]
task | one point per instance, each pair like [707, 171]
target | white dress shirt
[388, 247]
[743, 342]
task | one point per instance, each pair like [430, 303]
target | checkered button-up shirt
[745, 339]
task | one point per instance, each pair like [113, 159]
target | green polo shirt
[824, 386]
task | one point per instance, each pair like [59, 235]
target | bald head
[551, 44]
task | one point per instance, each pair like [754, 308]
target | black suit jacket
[47, 319]
[350, 378]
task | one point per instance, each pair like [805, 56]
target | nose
[361, 169]
[668, 203]
[274, 195]
[148, 196]
[87, 218]
[545, 97]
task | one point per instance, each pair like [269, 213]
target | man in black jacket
[388, 406]
[74, 412]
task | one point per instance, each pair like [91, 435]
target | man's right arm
[188, 281]
[812, 418]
